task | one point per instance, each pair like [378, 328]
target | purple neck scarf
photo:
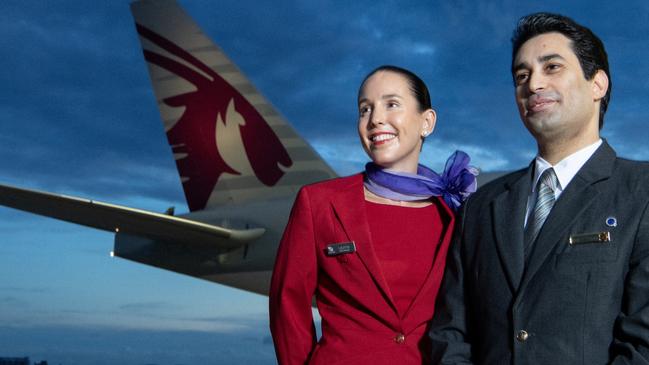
[454, 185]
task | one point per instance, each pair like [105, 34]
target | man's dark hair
[416, 85]
[588, 48]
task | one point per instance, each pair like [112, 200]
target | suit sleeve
[449, 326]
[631, 335]
[293, 285]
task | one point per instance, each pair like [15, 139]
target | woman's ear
[430, 118]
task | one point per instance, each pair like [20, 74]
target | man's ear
[600, 85]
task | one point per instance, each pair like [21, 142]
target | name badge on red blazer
[336, 249]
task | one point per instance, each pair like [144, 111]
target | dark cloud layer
[81, 345]
[79, 115]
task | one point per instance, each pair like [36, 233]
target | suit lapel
[349, 207]
[574, 200]
[508, 209]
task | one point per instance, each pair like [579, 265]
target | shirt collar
[567, 168]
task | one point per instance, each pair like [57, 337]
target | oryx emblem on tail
[192, 138]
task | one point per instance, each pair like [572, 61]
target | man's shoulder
[632, 174]
[627, 164]
[498, 185]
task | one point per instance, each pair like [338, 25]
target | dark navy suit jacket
[580, 303]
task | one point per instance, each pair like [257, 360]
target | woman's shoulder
[323, 192]
[335, 184]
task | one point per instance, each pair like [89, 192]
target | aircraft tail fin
[229, 142]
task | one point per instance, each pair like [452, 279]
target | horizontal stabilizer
[117, 218]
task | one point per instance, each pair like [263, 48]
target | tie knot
[549, 179]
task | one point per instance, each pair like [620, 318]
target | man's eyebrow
[519, 66]
[541, 59]
[549, 57]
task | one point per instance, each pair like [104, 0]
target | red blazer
[360, 323]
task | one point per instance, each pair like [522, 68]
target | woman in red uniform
[371, 247]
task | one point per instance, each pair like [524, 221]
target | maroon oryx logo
[194, 135]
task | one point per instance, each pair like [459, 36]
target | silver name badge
[336, 249]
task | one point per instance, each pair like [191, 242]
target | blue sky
[79, 118]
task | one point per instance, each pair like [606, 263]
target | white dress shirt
[565, 170]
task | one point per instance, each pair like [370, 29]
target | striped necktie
[544, 202]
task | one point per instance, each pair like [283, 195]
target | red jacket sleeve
[293, 285]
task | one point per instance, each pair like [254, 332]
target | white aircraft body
[239, 161]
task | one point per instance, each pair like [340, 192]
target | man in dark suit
[550, 264]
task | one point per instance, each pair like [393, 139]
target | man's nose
[537, 82]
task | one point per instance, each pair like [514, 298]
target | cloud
[345, 155]
[144, 308]
[169, 316]
[28, 290]
[12, 301]
[485, 159]
[421, 49]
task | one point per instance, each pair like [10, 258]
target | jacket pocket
[589, 247]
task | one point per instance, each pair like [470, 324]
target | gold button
[400, 338]
[522, 336]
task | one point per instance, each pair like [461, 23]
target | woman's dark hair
[417, 86]
[588, 48]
